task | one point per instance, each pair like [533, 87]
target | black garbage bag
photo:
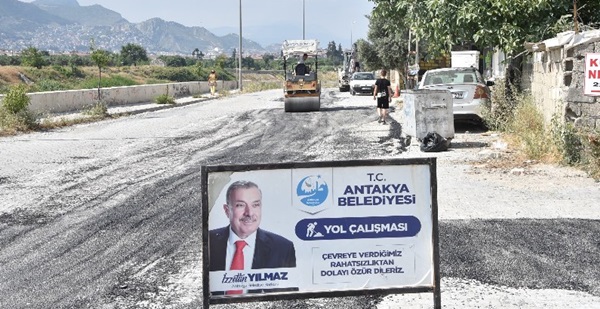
[433, 142]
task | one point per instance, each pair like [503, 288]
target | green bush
[11, 123]
[4, 88]
[498, 112]
[16, 100]
[76, 72]
[175, 74]
[14, 115]
[568, 141]
[44, 73]
[49, 85]
[69, 71]
[165, 99]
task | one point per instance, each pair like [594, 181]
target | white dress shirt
[248, 249]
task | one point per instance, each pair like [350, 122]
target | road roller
[301, 88]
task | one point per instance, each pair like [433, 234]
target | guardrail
[76, 100]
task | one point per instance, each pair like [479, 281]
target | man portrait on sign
[243, 245]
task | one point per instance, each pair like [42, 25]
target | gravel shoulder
[101, 196]
[516, 199]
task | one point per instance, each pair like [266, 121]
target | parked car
[469, 90]
[362, 82]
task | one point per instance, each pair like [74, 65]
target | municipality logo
[312, 190]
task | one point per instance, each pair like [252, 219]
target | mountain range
[60, 26]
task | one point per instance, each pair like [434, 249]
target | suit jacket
[271, 251]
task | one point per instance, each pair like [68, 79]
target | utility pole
[351, 29]
[303, 19]
[240, 51]
[575, 16]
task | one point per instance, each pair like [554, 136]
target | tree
[174, 61]
[232, 62]
[133, 54]
[369, 57]
[32, 57]
[220, 61]
[198, 54]
[587, 12]
[389, 42]
[333, 54]
[251, 64]
[447, 25]
[199, 68]
[507, 24]
[268, 59]
[75, 60]
[101, 58]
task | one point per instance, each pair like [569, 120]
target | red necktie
[238, 262]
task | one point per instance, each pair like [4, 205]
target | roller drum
[302, 104]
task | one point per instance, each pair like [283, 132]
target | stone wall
[554, 75]
[583, 110]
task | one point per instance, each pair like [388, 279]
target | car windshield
[363, 76]
[452, 77]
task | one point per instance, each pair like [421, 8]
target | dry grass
[531, 140]
[9, 75]
[254, 82]
[49, 124]
[531, 135]
[328, 79]
[507, 162]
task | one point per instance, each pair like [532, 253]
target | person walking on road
[382, 93]
[212, 82]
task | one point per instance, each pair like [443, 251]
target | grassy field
[71, 78]
[67, 78]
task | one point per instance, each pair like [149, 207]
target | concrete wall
[555, 78]
[74, 100]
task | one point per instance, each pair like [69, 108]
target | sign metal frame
[435, 288]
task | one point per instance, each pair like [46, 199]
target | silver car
[469, 90]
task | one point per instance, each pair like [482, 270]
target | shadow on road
[345, 108]
[465, 145]
[468, 127]
[465, 126]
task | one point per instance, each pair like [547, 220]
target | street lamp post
[351, 28]
[303, 19]
[240, 51]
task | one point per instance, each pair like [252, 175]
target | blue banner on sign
[353, 228]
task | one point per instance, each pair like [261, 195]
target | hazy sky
[325, 20]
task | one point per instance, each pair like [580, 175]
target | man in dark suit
[259, 248]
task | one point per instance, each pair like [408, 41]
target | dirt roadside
[100, 169]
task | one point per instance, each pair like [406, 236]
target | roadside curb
[151, 107]
[128, 109]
